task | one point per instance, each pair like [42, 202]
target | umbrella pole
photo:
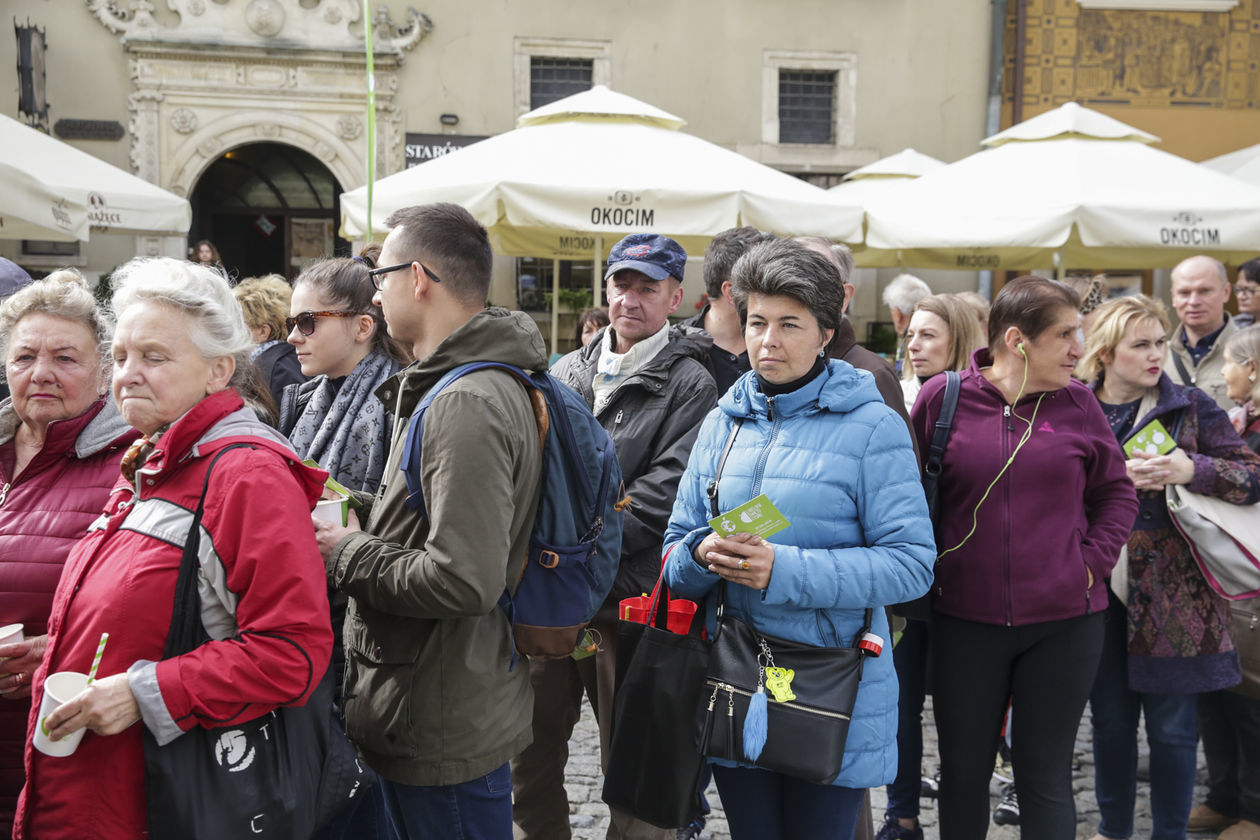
[597, 281]
[555, 306]
[1060, 267]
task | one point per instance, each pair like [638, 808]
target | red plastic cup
[639, 610]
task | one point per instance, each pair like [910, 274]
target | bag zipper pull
[707, 732]
[729, 752]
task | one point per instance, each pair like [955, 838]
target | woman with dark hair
[815, 436]
[589, 323]
[1247, 291]
[1167, 633]
[340, 338]
[1033, 508]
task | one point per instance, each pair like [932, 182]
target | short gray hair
[199, 292]
[904, 293]
[62, 294]
[786, 268]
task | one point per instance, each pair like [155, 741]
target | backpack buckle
[548, 559]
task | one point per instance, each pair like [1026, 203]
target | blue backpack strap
[412, 443]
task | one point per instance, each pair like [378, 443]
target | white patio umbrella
[1071, 188]
[577, 175]
[881, 178]
[35, 168]
[1243, 164]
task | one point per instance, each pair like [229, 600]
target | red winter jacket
[44, 511]
[263, 601]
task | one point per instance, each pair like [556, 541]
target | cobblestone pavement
[589, 815]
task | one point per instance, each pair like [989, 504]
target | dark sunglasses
[377, 273]
[305, 321]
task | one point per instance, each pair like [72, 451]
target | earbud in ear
[1020, 348]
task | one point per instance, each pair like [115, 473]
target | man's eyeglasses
[1246, 291]
[377, 273]
[305, 321]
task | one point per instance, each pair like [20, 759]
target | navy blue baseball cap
[651, 254]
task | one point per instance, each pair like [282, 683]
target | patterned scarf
[346, 429]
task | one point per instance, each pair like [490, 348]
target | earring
[822, 354]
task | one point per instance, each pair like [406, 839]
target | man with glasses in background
[430, 699]
[1247, 290]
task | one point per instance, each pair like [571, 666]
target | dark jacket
[723, 366]
[1065, 505]
[429, 697]
[279, 367]
[1178, 628]
[844, 346]
[653, 417]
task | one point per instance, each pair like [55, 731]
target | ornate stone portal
[224, 73]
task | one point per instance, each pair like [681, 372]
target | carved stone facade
[232, 72]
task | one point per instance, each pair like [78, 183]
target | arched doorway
[268, 208]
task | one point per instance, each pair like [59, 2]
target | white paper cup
[11, 634]
[333, 510]
[58, 688]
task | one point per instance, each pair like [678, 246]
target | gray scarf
[346, 429]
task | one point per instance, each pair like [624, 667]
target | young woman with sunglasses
[341, 343]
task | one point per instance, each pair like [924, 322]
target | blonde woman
[265, 304]
[942, 334]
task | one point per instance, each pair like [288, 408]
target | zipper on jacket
[733, 689]
[765, 452]
[617, 419]
[1006, 523]
[4, 492]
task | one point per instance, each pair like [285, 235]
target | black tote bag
[282, 775]
[653, 766]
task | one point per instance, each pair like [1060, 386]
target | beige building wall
[912, 74]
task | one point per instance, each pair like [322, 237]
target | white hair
[200, 293]
[62, 294]
[904, 293]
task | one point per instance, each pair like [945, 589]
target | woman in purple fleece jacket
[1034, 507]
[1167, 636]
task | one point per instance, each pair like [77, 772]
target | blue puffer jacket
[839, 465]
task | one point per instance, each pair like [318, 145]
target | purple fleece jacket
[1063, 506]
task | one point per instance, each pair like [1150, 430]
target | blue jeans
[477, 810]
[762, 805]
[910, 658]
[1171, 731]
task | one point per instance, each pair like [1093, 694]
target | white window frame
[845, 66]
[598, 52]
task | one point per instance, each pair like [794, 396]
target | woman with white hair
[179, 348]
[61, 439]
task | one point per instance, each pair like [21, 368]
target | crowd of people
[1044, 574]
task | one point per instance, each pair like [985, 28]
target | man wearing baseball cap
[648, 386]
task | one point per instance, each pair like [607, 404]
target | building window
[552, 78]
[807, 105]
[548, 69]
[808, 98]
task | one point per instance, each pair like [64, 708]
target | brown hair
[457, 246]
[964, 329]
[344, 281]
[595, 314]
[1029, 304]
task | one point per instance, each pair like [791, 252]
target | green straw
[96, 661]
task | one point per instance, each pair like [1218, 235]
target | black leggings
[1046, 670]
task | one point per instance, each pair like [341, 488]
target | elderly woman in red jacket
[179, 347]
[60, 442]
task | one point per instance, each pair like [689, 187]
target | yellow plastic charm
[779, 681]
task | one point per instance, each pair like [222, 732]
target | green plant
[571, 300]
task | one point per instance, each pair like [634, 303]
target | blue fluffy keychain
[755, 724]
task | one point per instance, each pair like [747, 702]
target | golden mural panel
[1147, 58]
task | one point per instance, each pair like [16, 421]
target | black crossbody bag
[282, 775]
[810, 690]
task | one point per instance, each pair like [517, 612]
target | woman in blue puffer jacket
[819, 441]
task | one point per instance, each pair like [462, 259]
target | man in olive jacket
[648, 386]
[430, 700]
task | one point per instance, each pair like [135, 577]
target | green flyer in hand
[758, 516]
[1153, 438]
